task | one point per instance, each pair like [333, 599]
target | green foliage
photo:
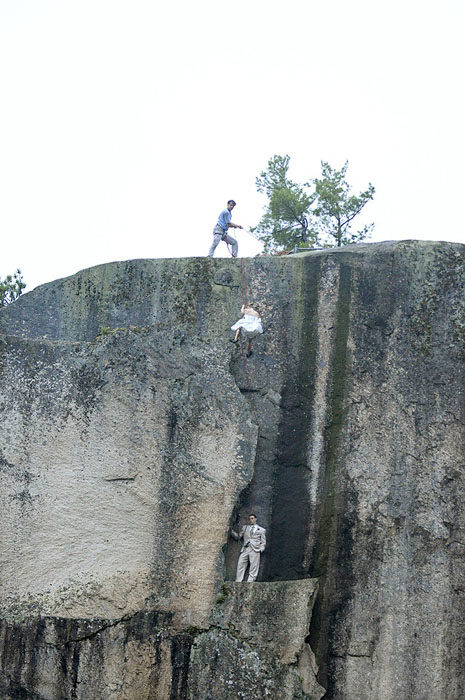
[275, 177]
[11, 288]
[225, 591]
[317, 213]
[285, 222]
[336, 207]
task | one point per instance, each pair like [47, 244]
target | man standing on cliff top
[220, 232]
[254, 538]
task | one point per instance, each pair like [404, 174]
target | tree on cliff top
[285, 222]
[317, 213]
[11, 288]
[336, 207]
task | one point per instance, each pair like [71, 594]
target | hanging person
[220, 232]
[249, 325]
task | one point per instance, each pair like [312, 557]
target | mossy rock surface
[134, 436]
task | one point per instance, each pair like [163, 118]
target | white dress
[250, 325]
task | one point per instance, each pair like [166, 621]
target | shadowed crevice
[331, 560]
[291, 508]
[278, 491]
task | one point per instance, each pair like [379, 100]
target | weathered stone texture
[257, 647]
[64, 658]
[133, 435]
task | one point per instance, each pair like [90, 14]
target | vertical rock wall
[133, 435]
[390, 541]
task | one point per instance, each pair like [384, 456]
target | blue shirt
[224, 219]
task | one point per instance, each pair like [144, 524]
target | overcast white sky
[126, 124]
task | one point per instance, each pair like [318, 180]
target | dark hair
[252, 514]
[231, 201]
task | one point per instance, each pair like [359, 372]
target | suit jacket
[257, 540]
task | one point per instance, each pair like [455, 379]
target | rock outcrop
[134, 435]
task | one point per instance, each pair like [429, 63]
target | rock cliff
[134, 435]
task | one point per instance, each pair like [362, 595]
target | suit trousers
[248, 556]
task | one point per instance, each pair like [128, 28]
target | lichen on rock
[134, 435]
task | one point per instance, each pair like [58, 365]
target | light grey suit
[254, 542]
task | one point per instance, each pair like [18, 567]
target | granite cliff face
[134, 434]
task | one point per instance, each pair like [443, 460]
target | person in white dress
[250, 325]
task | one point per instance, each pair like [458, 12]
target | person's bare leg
[249, 348]
[236, 337]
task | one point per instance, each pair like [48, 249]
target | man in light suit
[254, 542]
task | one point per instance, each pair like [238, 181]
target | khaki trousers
[218, 235]
[248, 556]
